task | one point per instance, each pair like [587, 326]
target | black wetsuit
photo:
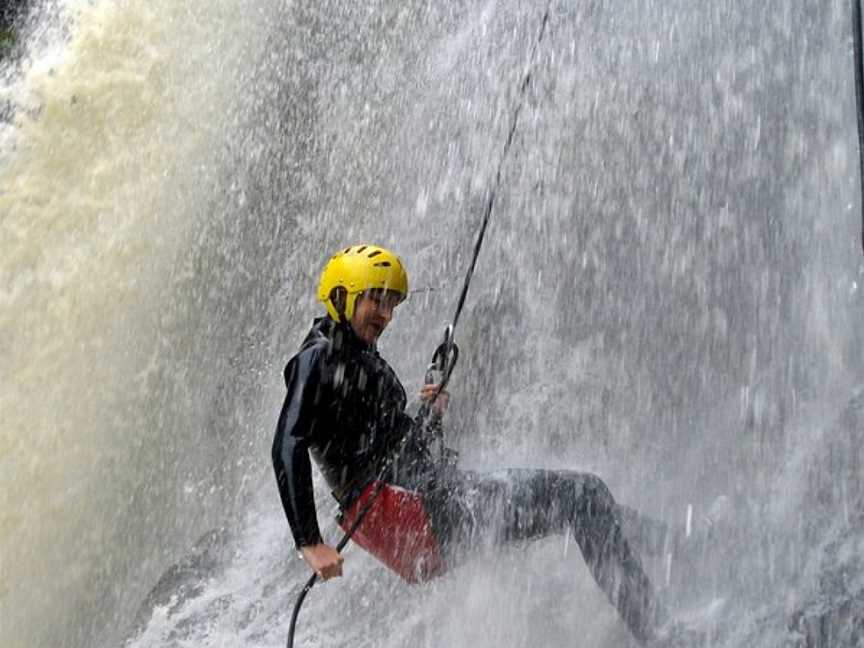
[346, 407]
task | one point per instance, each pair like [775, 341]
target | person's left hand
[427, 392]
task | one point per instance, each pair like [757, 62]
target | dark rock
[185, 579]
[834, 614]
[10, 11]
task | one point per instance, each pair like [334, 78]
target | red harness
[396, 530]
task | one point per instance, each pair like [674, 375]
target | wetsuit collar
[342, 335]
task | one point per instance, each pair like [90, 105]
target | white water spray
[124, 111]
[665, 298]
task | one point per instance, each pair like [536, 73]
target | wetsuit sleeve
[294, 432]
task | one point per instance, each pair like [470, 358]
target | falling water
[669, 296]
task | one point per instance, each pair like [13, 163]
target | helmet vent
[382, 264]
[360, 249]
[374, 254]
[346, 250]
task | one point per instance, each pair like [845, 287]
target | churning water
[669, 295]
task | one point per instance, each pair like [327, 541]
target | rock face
[10, 10]
[186, 578]
[833, 615]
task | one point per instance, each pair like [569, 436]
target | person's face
[373, 312]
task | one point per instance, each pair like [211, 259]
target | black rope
[490, 203]
[339, 547]
[449, 345]
[859, 97]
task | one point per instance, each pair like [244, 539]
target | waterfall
[669, 295]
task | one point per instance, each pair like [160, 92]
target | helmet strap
[339, 299]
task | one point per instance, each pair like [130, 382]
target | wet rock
[833, 615]
[186, 579]
[10, 10]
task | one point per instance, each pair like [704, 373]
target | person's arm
[293, 467]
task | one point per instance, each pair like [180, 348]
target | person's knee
[598, 498]
[595, 520]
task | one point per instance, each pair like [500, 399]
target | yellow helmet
[357, 269]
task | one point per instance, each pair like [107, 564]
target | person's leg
[524, 504]
[650, 536]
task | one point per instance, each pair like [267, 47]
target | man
[346, 407]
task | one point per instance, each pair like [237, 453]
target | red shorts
[396, 530]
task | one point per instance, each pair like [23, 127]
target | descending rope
[447, 350]
[490, 203]
[859, 97]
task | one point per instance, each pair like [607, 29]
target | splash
[115, 149]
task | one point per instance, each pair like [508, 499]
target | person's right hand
[323, 559]
[427, 393]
